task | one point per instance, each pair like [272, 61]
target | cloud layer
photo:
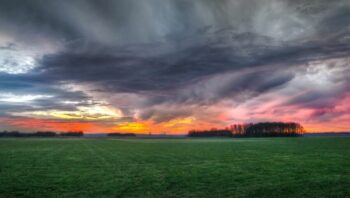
[156, 62]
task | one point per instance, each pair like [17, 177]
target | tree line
[57, 134]
[121, 134]
[210, 133]
[41, 134]
[265, 129]
[275, 129]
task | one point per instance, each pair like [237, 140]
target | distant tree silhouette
[10, 134]
[72, 134]
[41, 134]
[266, 129]
[274, 129]
[21, 134]
[44, 134]
[210, 133]
[121, 134]
[239, 129]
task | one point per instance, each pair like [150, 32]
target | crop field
[252, 167]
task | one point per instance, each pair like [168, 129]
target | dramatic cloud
[175, 64]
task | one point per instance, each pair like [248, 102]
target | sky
[173, 65]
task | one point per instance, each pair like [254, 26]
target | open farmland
[253, 167]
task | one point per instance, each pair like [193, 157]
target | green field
[266, 167]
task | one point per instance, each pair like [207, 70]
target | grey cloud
[129, 72]
[32, 84]
[8, 46]
[161, 115]
[133, 21]
[174, 51]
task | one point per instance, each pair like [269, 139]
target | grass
[266, 167]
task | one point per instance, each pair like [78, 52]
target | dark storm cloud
[337, 21]
[167, 50]
[131, 72]
[131, 21]
[256, 82]
[205, 54]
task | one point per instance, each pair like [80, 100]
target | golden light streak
[96, 112]
[132, 127]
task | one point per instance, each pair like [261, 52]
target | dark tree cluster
[266, 129]
[20, 134]
[275, 129]
[210, 133]
[239, 129]
[121, 135]
[72, 134]
[40, 134]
